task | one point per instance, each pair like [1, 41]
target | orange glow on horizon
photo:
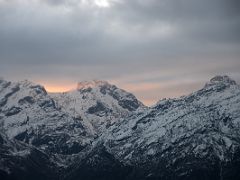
[56, 89]
[130, 88]
[148, 93]
[141, 87]
[61, 89]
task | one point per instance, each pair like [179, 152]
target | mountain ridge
[180, 138]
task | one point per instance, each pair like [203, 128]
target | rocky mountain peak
[221, 80]
[91, 84]
[224, 79]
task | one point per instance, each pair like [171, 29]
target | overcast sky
[152, 48]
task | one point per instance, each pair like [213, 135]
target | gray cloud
[70, 39]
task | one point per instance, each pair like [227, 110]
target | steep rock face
[29, 114]
[99, 103]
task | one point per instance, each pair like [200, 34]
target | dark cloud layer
[119, 40]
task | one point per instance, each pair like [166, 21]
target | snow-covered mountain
[193, 137]
[101, 132]
[62, 124]
[208, 116]
[29, 114]
[98, 103]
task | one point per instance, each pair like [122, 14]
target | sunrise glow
[58, 87]
[148, 93]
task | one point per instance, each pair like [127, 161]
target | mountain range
[101, 132]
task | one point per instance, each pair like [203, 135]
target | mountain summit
[91, 84]
[224, 79]
[221, 80]
[98, 103]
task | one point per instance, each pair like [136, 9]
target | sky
[153, 48]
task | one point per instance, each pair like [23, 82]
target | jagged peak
[27, 83]
[31, 85]
[221, 80]
[91, 84]
[224, 78]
